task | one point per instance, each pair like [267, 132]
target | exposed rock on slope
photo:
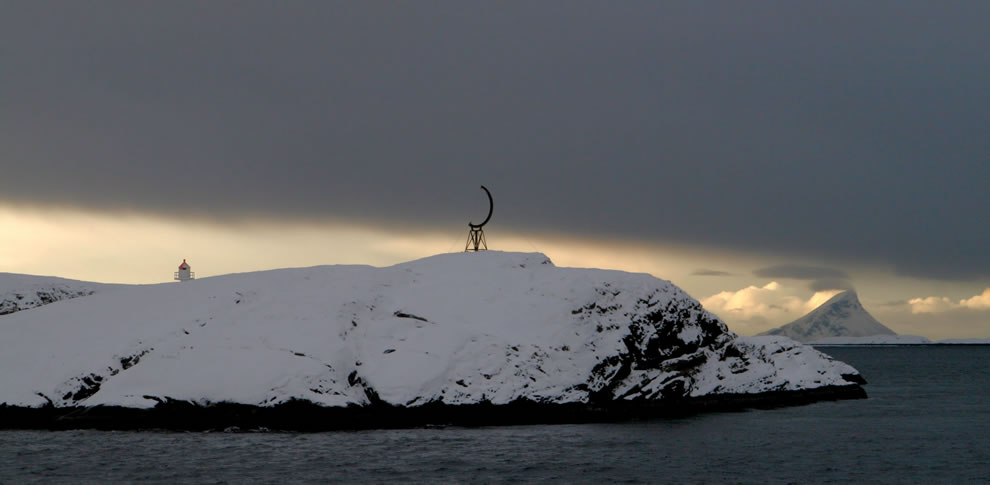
[840, 316]
[22, 292]
[459, 329]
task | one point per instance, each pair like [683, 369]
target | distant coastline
[923, 344]
[893, 340]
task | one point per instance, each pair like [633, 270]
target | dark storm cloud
[830, 284]
[800, 272]
[841, 131]
[820, 278]
[895, 303]
[710, 272]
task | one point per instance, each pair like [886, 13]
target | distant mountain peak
[841, 316]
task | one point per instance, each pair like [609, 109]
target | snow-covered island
[470, 338]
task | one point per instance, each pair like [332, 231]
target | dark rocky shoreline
[304, 416]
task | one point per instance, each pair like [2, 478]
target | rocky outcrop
[32, 298]
[23, 292]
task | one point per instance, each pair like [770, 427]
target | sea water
[927, 420]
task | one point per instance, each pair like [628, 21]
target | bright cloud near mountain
[772, 301]
[937, 304]
[978, 302]
[931, 304]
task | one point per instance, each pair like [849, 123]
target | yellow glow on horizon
[140, 249]
[134, 248]
[116, 247]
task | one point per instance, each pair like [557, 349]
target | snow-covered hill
[840, 316]
[21, 292]
[462, 328]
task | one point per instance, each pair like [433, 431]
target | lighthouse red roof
[184, 265]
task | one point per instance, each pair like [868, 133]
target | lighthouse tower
[184, 273]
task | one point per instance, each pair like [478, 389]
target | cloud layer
[819, 278]
[756, 126]
[800, 272]
[710, 272]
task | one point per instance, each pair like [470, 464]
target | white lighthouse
[184, 273]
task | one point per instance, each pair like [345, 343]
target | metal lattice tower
[476, 240]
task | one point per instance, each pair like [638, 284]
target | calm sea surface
[927, 421]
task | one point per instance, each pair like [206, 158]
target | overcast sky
[832, 134]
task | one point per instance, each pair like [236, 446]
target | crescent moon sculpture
[476, 235]
[491, 207]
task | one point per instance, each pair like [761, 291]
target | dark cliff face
[672, 338]
[677, 351]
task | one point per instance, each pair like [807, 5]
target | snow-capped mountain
[21, 292]
[464, 328]
[840, 316]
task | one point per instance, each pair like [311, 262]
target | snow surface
[841, 316]
[455, 328]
